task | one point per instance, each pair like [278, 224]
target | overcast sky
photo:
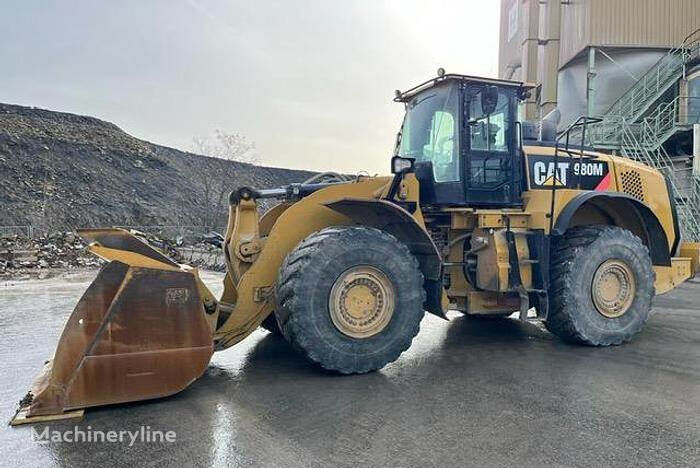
[309, 81]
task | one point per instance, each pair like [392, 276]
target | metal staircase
[655, 82]
[685, 187]
[664, 121]
[642, 100]
[640, 122]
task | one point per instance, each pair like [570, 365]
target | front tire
[602, 284]
[350, 298]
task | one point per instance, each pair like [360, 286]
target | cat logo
[548, 174]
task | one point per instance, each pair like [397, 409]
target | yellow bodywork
[653, 192]
[147, 326]
[256, 247]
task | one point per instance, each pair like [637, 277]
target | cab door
[431, 135]
[492, 171]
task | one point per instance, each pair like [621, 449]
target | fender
[389, 217]
[653, 234]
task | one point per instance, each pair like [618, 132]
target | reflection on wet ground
[468, 392]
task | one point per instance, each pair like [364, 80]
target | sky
[311, 82]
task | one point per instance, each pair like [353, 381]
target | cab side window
[488, 139]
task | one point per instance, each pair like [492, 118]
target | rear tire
[602, 284]
[377, 276]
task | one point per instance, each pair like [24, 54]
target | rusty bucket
[140, 331]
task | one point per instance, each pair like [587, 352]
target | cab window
[430, 131]
[489, 158]
[487, 132]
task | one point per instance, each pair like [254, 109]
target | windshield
[429, 131]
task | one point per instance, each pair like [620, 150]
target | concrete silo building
[633, 63]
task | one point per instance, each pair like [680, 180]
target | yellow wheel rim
[613, 288]
[361, 302]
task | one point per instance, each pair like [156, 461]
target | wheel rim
[614, 288]
[361, 302]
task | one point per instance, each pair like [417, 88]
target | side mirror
[489, 99]
[401, 165]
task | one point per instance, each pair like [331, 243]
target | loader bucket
[138, 332]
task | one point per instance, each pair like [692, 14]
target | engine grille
[632, 184]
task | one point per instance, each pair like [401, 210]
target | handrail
[664, 119]
[582, 122]
[686, 198]
[658, 77]
[686, 39]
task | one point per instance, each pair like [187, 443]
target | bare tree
[233, 147]
[229, 146]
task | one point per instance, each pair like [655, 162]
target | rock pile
[202, 251]
[59, 250]
[66, 251]
[203, 255]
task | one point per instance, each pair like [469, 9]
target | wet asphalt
[467, 393]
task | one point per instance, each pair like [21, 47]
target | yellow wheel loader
[483, 214]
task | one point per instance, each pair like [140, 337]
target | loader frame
[148, 326]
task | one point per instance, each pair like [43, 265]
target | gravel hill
[61, 171]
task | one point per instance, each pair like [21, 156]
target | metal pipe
[696, 150]
[529, 53]
[590, 78]
[292, 191]
[288, 192]
[550, 78]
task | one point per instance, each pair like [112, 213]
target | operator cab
[462, 133]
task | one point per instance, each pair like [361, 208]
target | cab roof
[405, 96]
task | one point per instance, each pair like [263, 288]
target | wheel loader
[483, 214]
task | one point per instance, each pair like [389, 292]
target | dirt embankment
[61, 171]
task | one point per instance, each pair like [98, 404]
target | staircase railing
[605, 134]
[685, 187]
[666, 119]
[659, 78]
